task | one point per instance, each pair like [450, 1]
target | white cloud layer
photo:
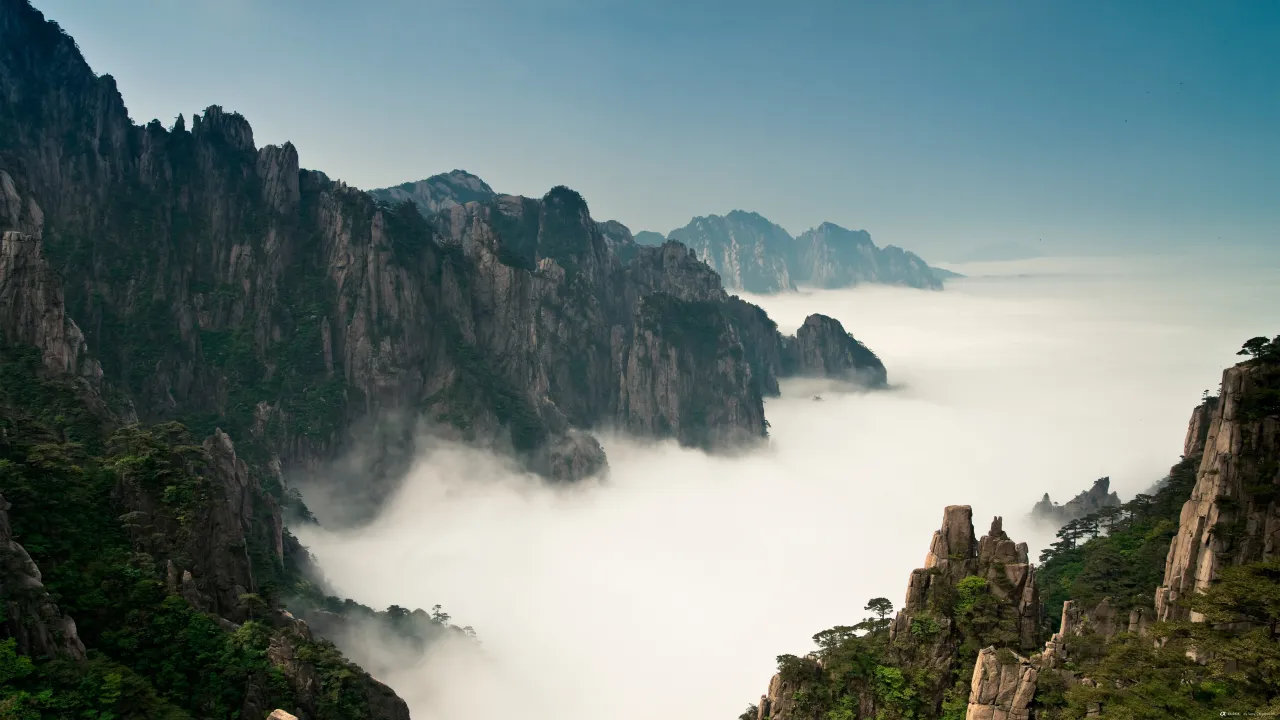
[669, 590]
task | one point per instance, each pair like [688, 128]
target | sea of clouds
[670, 589]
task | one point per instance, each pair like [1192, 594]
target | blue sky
[1083, 126]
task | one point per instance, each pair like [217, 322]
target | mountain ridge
[188, 320]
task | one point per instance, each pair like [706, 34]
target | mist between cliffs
[670, 589]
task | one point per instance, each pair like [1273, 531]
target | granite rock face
[375, 699]
[570, 457]
[954, 555]
[749, 252]
[1002, 687]
[1090, 501]
[224, 286]
[30, 616]
[32, 307]
[822, 348]
[1232, 516]
[1198, 427]
[438, 192]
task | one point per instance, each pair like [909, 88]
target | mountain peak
[438, 192]
[564, 196]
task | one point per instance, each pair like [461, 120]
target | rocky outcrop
[937, 620]
[1198, 427]
[29, 615]
[206, 546]
[822, 348]
[830, 256]
[1232, 516]
[1103, 620]
[221, 284]
[32, 307]
[571, 457]
[438, 192]
[749, 252]
[296, 653]
[1086, 503]
[954, 555]
[779, 703]
[1003, 686]
[281, 715]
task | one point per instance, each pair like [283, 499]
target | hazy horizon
[1093, 128]
[690, 574]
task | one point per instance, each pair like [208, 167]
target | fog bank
[670, 589]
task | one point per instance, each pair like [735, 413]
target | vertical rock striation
[1002, 687]
[1231, 517]
[32, 308]
[749, 252]
[224, 286]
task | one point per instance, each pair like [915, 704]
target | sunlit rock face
[1232, 516]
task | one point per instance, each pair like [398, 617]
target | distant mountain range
[749, 252]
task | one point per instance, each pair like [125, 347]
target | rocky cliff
[1231, 518]
[155, 547]
[1090, 501]
[223, 286]
[822, 348]
[1002, 687]
[749, 252]
[1198, 427]
[830, 256]
[438, 192]
[30, 616]
[973, 614]
[971, 593]
[32, 308]
[954, 556]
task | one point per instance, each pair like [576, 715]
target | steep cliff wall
[822, 348]
[1232, 516]
[30, 616]
[223, 286]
